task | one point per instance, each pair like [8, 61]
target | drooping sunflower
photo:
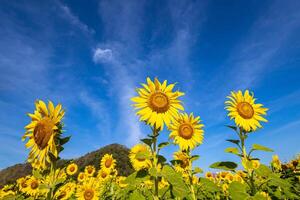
[42, 131]
[72, 169]
[89, 190]
[89, 170]
[187, 132]
[157, 103]
[108, 162]
[246, 113]
[65, 191]
[137, 162]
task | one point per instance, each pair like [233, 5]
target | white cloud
[102, 55]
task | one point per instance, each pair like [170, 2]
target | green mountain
[119, 152]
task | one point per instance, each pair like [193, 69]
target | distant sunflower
[65, 191]
[103, 174]
[108, 162]
[89, 170]
[140, 162]
[81, 177]
[72, 169]
[246, 113]
[41, 131]
[187, 132]
[157, 103]
[89, 190]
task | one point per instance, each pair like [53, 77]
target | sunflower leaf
[147, 141]
[64, 140]
[232, 127]
[261, 148]
[163, 144]
[226, 165]
[237, 142]
[197, 170]
[233, 150]
[194, 158]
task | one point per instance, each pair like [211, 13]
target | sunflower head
[81, 177]
[42, 133]
[246, 113]
[89, 190]
[157, 103]
[108, 162]
[103, 174]
[23, 184]
[72, 169]
[89, 170]
[140, 162]
[65, 191]
[187, 132]
[182, 161]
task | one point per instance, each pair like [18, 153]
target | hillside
[119, 152]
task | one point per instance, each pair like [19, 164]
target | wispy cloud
[73, 19]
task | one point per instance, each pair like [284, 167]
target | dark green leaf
[163, 144]
[64, 140]
[226, 165]
[147, 141]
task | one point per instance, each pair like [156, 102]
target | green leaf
[163, 144]
[263, 170]
[179, 188]
[261, 148]
[232, 127]
[142, 155]
[161, 159]
[226, 165]
[37, 174]
[198, 170]
[147, 141]
[238, 191]
[64, 140]
[237, 142]
[136, 195]
[153, 171]
[233, 150]
[194, 158]
[208, 185]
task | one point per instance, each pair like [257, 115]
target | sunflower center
[24, 184]
[88, 194]
[42, 132]
[90, 170]
[34, 185]
[108, 163]
[103, 174]
[245, 110]
[159, 102]
[72, 169]
[186, 131]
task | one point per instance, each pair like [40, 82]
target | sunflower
[72, 169]
[103, 174]
[33, 187]
[276, 163]
[89, 190]
[187, 132]
[140, 162]
[121, 181]
[22, 184]
[209, 176]
[89, 170]
[108, 162]
[65, 191]
[157, 103]
[42, 131]
[246, 113]
[184, 162]
[81, 177]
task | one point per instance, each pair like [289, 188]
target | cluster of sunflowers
[159, 106]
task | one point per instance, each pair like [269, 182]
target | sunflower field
[158, 105]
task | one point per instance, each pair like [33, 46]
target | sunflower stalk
[155, 158]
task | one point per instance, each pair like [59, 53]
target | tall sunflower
[137, 162]
[89, 190]
[246, 113]
[187, 132]
[157, 103]
[108, 162]
[42, 132]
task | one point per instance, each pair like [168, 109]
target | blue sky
[91, 56]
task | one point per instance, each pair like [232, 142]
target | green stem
[155, 134]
